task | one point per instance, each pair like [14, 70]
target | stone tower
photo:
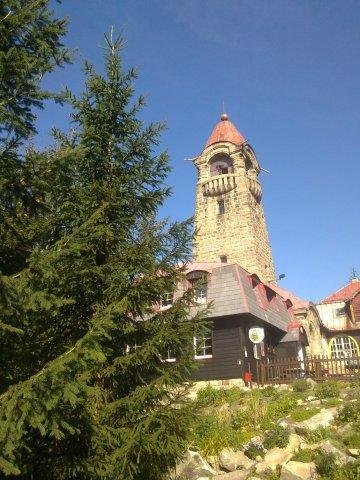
[229, 215]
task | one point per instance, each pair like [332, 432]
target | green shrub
[352, 439]
[350, 412]
[306, 455]
[276, 437]
[301, 414]
[326, 464]
[278, 408]
[211, 434]
[270, 391]
[317, 435]
[210, 396]
[331, 402]
[254, 450]
[274, 475]
[328, 389]
[300, 385]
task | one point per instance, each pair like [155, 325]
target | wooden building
[240, 303]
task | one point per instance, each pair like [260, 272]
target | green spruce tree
[86, 391]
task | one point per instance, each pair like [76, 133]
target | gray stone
[231, 460]
[298, 471]
[321, 419]
[354, 452]
[342, 457]
[274, 457]
[236, 475]
[311, 383]
[192, 467]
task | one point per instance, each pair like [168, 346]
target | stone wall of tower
[240, 232]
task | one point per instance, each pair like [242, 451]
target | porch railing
[285, 370]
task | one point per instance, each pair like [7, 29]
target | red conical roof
[225, 131]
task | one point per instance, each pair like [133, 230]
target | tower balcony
[218, 184]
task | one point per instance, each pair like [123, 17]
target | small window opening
[223, 258]
[221, 205]
[166, 301]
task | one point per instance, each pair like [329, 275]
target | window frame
[167, 296]
[204, 347]
[348, 345]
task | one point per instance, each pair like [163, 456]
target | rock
[310, 398]
[321, 419]
[342, 457]
[354, 452]
[298, 471]
[275, 456]
[314, 403]
[236, 475]
[294, 442]
[192, 467]
[311, 383]
[299, 401]
[231, 460]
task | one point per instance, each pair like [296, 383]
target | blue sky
[288, 72]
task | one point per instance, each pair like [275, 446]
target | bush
[210, 396]
[254, 450]
[211, 434]
[300, 385]
[270, 391]
[302, 414]
[328, 389]
[276, 437]
[278, 408]
[350, 413]
[326, 464]
[317, 435]
[331, 402]
[306, 455]
[352, 439]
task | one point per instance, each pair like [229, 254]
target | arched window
[221, 165]
[343, 346]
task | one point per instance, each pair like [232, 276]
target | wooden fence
[285, 370]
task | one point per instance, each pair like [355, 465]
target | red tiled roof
[225, 131]
[296, 301]
[344, 293]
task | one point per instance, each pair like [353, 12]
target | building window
[221, 206]
[203, 346]
[170, 357]
[223, 258]
[343, 347]
[200, 290]
[166, 301]
[339, 312]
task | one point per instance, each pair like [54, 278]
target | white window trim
[166, 307]
[200, 357]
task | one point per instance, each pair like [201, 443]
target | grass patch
[302, 414]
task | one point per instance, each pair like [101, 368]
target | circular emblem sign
[256, 334]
